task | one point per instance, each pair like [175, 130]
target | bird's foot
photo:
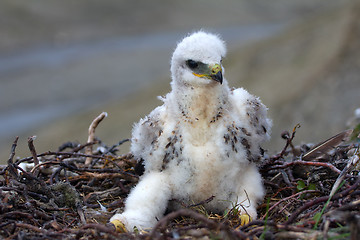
[244, 219]
[119, 226]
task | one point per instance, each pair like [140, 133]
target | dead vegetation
[312, 192]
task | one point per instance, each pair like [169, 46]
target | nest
[312, 192]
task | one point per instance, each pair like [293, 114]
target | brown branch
[81, 214]
[202, 202]
[319, 200]
[71, 154]
[354, 205]
[97, 170]
[350, 165]
[257, 223]
[30, 227]
[80, 147]
[32, 149]
[29, 175]
[12, 153]
[10, 167]
[67, 154]
[91, 137]
[198, 217]
[288, 143]
[20, 215]
[287, 198]
[101, 228]
[182, 213]
[44, 164]
[300, 162]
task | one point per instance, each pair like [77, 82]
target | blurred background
[64, 62]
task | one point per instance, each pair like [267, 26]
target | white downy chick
[203, 141]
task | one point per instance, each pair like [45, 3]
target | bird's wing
[252, 113]
[146, 133]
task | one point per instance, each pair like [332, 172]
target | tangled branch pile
[312, 193]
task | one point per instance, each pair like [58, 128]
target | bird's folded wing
[146, 133]
[252, 112]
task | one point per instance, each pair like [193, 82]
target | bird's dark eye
[192, 64]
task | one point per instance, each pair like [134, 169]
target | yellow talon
[244, 219]
[119, 226]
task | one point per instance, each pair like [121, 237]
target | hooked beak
[216, 73]
[213, 72]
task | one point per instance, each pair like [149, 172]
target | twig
[353, 205]
[29, 226]
[43, 164]
[78, 148]
[286, 178]
[202, 202]
[300, 162]
[65, 154]
[257, 223]
[112, 148]
[105, 170]
[12, 153]
[71, 167]
[80, 211]
[101, 228]
[287, 198]
[350, 165]
[337, 184]
[20, 215]
[288, 143]
[32, 149]
[30, 175]
[319, 200]
[10, 166]
[91, 137]
[185, 213]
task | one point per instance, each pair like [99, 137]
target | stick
[63, 154]
[319, 200]
[288, 142]
[300, 162]
[350, 165]
[198, 217]
[161, 224]
[287, 198]
[101, 228]
[32, 149]
[80, 211]
[12, 153]
[93, 125]
[10, 166]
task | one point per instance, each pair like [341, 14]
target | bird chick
[203, 141]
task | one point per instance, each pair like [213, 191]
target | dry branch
[32, 149]
[12, 153]
[319, 200]
[91, 137]
[38, 205]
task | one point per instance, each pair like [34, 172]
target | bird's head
[197, 59]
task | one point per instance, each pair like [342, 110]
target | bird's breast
[199, 132]
[206, 173]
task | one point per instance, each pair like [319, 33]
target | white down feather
[203, 141]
